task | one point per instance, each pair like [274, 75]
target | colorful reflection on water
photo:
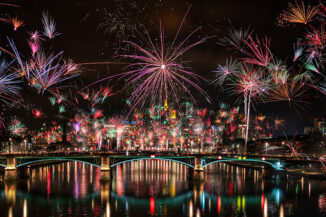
[158, 188]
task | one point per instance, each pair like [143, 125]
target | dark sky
[82, 41]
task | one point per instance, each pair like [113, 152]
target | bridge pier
[11, 171]
[197, 173]
[105, 174]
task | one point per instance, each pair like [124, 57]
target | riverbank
[314, 173]
[307, 172]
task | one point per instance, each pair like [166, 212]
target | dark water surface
[158, 188]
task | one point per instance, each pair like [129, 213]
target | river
[158, 188]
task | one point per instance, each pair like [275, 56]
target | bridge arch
[277, 165]
[50, 159]
[116, 163]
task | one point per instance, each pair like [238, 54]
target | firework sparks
[261, 117]
[49, 26]
[11, 5]
[298, 51]
[322, 10]
[236, 38]
[312, 67]
[16, 23]
[122, 21]
[294, 91]
[224, 71]
[35, 37]
[46, 72]
[259, 51]
[97, 97]
[62, 109]
[316, 37]
[37, 113]
[16, 127]
[300, 13]
[321, 87]
[9, 89]
[278, 123]
[34, 41]
[278, 71]
[33, 46]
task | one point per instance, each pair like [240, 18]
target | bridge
[106, 161]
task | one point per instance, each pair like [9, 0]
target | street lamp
[25, 145]
[266, 144]
[10, 140]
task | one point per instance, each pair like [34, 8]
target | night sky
[83, 41]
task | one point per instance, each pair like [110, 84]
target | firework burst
[46, 72]
[35, 37]
[223, 71]
[16, 127]
[278, 71]
[16, 22]
[250, 81]
[236, 38]
[97, 97]
[299, 13]
[294, 91]
[298, 51]
[49, 25]
[316, 37]
[122, 21]
[313, 66]
[258, 52]
[278, 123]
[157, 71]
[33, 46]
[37, 113]
[9, 89]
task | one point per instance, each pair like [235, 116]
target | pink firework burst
[251, 81]
[159, 70]
[258, 52]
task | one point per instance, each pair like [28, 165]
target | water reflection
[150, 179]
[158, 188]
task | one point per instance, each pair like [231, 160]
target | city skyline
[143, 108]
[215, 24]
